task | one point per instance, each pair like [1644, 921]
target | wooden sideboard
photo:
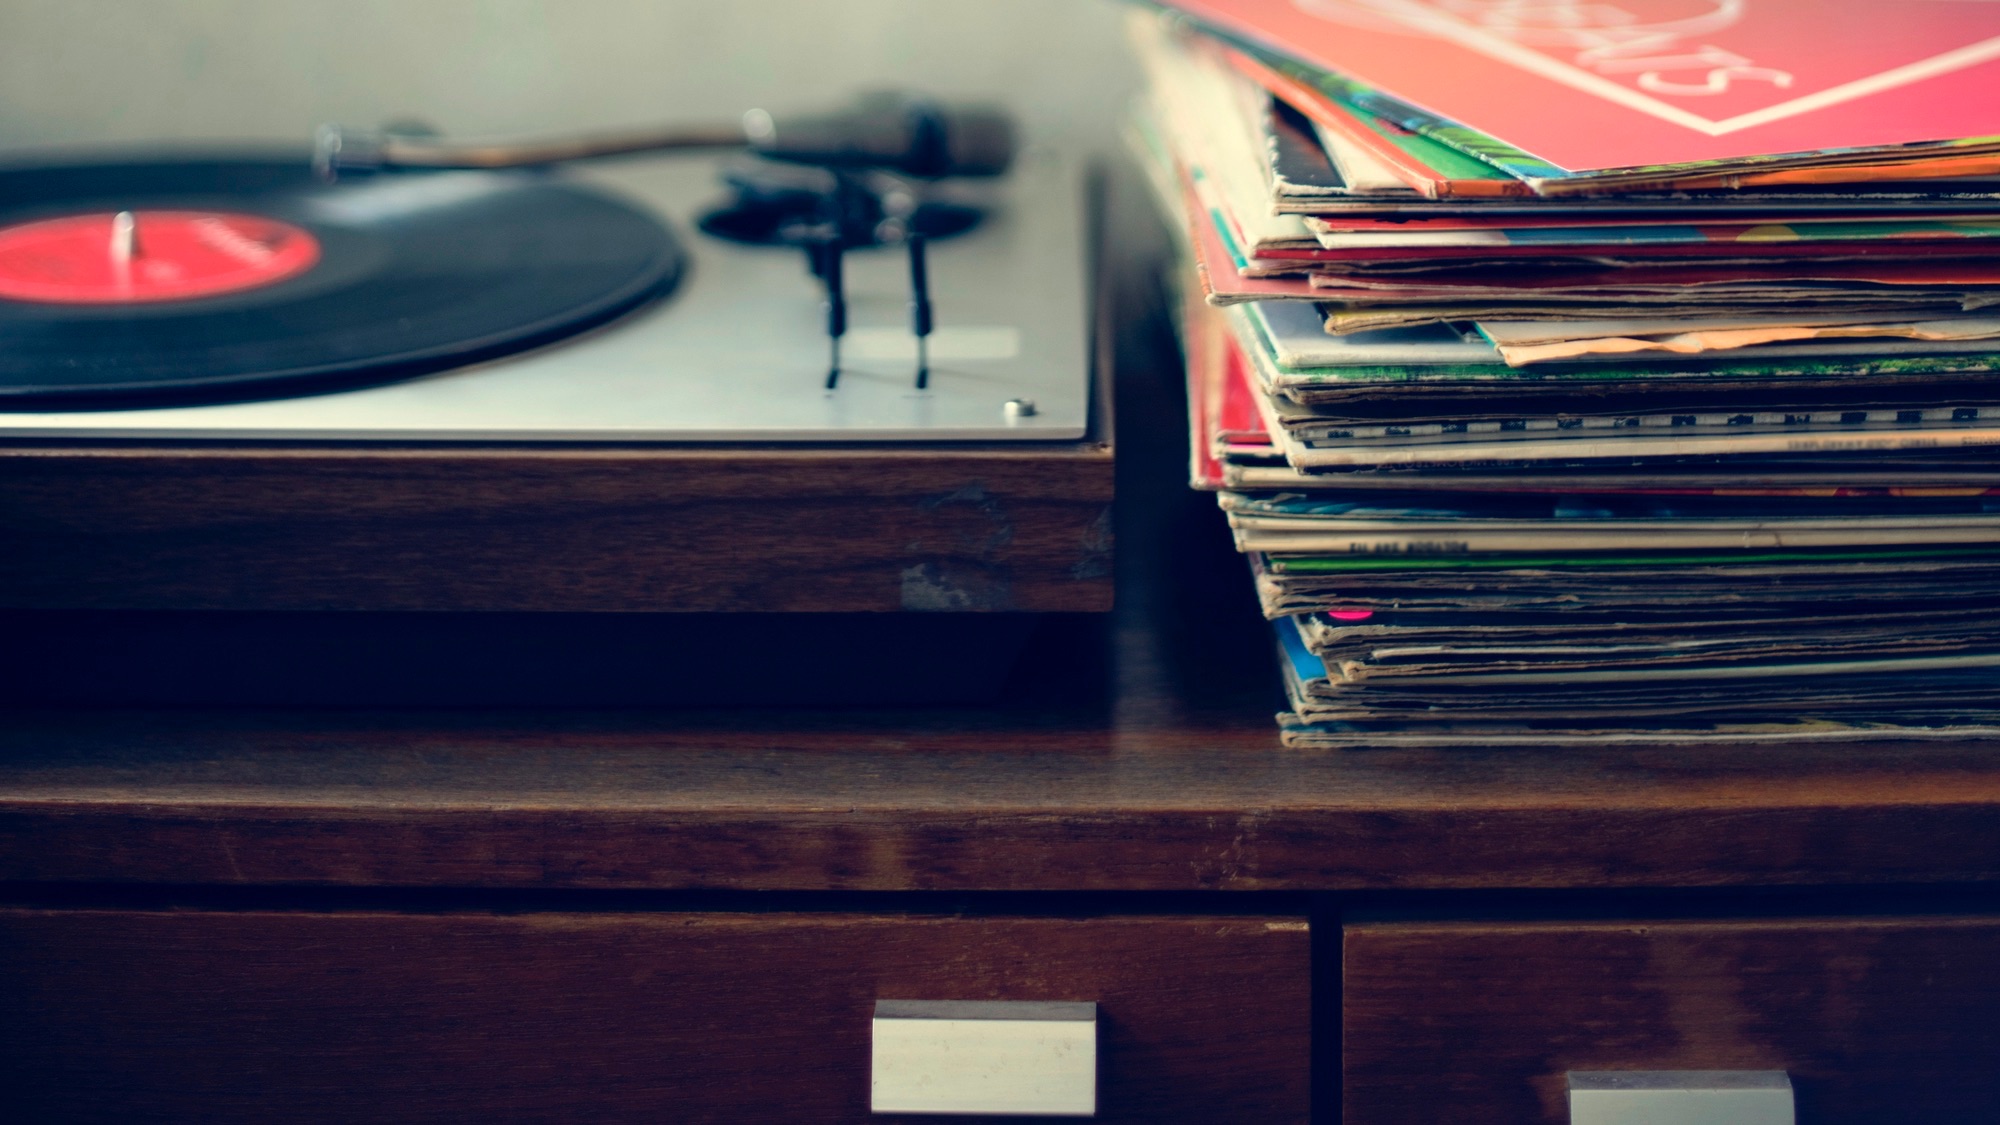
[302, 915]
[346, 915]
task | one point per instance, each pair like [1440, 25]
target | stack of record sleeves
[1584, 372]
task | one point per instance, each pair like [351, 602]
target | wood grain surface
[556, 530]
[119, 1016]
[975, 799]
[1876, 1019]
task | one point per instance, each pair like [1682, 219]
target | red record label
[129, 257]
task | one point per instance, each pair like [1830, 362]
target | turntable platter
[146, 281]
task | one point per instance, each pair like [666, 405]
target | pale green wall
[80, 71]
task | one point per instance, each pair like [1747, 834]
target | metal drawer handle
[1680, 1097]
[980, 1057]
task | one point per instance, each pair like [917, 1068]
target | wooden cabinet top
[994, 799]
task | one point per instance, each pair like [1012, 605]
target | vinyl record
[141, 281]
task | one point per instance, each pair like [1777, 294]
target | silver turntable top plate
[738, 352]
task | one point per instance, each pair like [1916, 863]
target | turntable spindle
[124, 240]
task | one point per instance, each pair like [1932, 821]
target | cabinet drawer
[111, 1015]
[1876, 1019]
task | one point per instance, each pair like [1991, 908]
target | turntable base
[454, 576]
[411, 569]
[599, 530]
[487, 489]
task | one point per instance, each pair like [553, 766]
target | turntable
[433, 418]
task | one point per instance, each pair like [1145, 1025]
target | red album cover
[1588, 85]
[1221, 411]
[1202, 344]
